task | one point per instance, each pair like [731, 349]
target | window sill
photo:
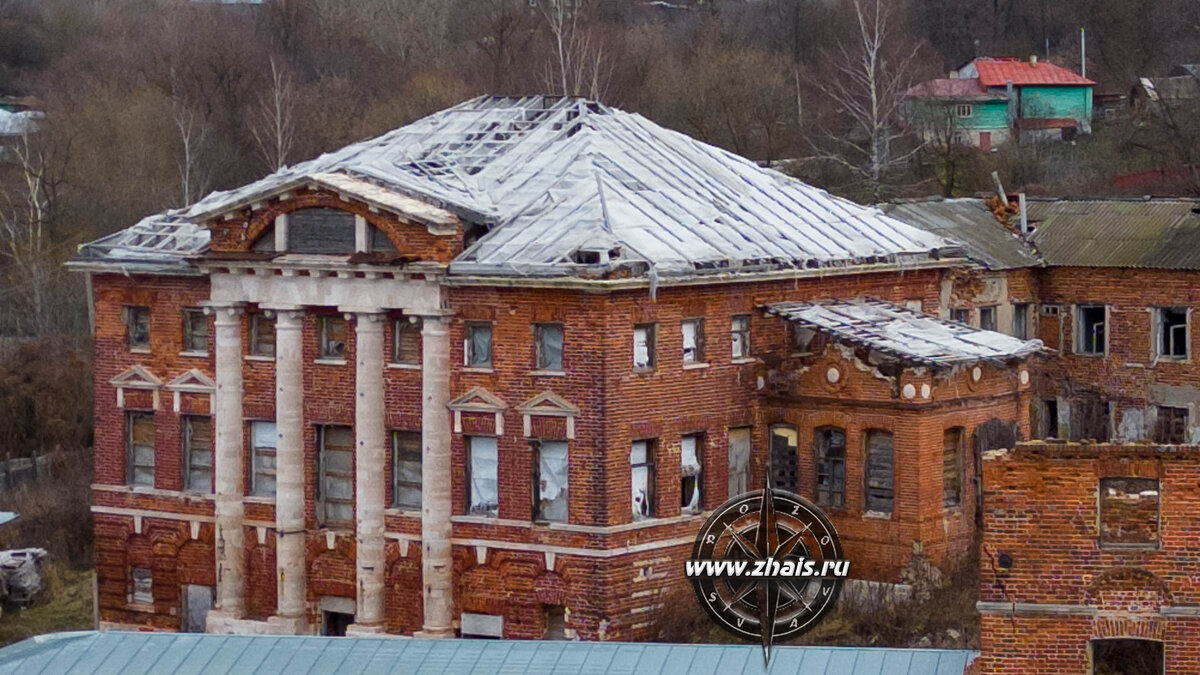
[194, 355]
[646, 370]
[258, 499]
[549, 523]
[1129, 547]
[475, 518]
[147, 607]
[259, 357]
[402, 512]
[477, 369]
[877, 515]
[404, 366]
[330, 362]
[701, 365]
[139, 350]
[797, 355]
[547, 373]
[742, 360]
[1171, 359]
[691, 513]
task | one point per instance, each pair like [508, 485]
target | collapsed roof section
[562, 186]
[153, 244]
[911, 337]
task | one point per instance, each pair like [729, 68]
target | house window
[335, 489]
[739, 461]
[693, 340]
[1172, 333]
[1129, 512]
[1020, 321]
[333, 338]
[140, 447]
[477, 344]
[961, 315]
[195, 331]
[952, 446]
[987, 317]
[406, 341]
[802, 339]
[406, 470]
[691, 449]
[739, 332]
[1050, 310]
[1091, 329]
[643, 346]
[641, 469]
[482, 485]
[964, 110]
[830, 449]
[137, 326]
[550, 481]
[1171, 426]
[198, 449]
[262, 335]
[548, 346]
[785, 459]
[880, 472]
[143, 586]
[263, 439]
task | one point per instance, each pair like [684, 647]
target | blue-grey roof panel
[147, 653]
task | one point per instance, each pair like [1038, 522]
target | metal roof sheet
[997, 72]
[184, 654]
[1145, 233]
[954, 89]
[971, 224]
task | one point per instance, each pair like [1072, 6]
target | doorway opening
[1127, 656]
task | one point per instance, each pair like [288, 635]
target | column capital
[364, 314]
[224, 311]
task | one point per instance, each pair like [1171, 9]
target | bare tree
[505, 29]
[577, 66]
[192, 129]
[274, 127]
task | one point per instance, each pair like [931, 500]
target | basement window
[740, 336]
[262, 335]
[482, 485]
[198, 451]
[333, 338]
[643, 346]
[1171, 426]
[1091, 331]
[137, 326]
[550, 482]
[1172, 333]
[1129, 512]
[548, 347]
[406, 341]
[477, 344]
[264, 439]
[693, 340]
[641, 468]
[195, 331]
[690, 449]
[406, 470]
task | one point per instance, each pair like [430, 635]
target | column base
[288, 625]
[365, 630]
[437, 633]
[226, 624]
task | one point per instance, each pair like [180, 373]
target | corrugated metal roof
[997, 72]
[969, 223]
[1147, 233]
[185, 654]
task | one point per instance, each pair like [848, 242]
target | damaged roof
[563, 185]
[904, 334]
[1135, 232]
[969, 222]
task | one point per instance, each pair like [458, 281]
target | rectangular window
[880, 473]
[643, 346]
[262, 335]
[739, 335]
[263, 440]
[1129, 512]
[198, 453]
[693, 340]
[140, 447]
[830, 447]
[548, 346]
[406, 470]
[335, 489]
[691, 449]
[1171, 426]
[1050, 412]
[137, 326]
[195, 331]
[641, 468]
[1020, 321]
[333, 337]
[477, 344]
[964, 110]
[1172, 333]
[802, 339]
[785, 458]
[739, 461]
[483, 497]
[1091, 329]
[143, 586]
[987, 317]
[406, 341]
[961, 315]
[952, 441]
[550, 481]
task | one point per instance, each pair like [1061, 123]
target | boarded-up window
[198, 452]
[1171, 426]
[262, 335]
[335, 490]
[952, 469]
[406, 341]
[263, 439]
[693, 340]
[1172, 333]
[785, 463]
[137, 327]
[140, 447]
[483, 497]
[1089, 415]
[548, 346]
[643, 346]
[333, 337]
[880, 472]
[477, 344]
[195, 331]
[740, 336]
[691, 449]
[550, 483]
[1129, 512]
[318, 230]
[1091, 333]
[739, 461]
[641, 469]
[829, 446]
[406, 470]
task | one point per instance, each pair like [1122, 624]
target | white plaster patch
[925, 391]
[909, 391]
[833, 375]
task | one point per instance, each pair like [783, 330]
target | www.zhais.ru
[768, 568]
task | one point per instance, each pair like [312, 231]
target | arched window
[324, 231]
[829, 449]
[879, 496]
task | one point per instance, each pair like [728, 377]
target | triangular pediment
[478, 400]
[192, 380]
[548, 403]
[136, 377]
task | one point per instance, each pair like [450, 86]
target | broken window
[1129, 512]
[548, 346]
[952, 450]
[140, 447]
[333, 337]
[802, 339]
[961, 315]
[1172, 333]
[740, 336]
[691, 449]
[406, 341]
[829, 445]
[641, 468]
[987, 317]
[320, 230]
[643, 346]
[1171, 426]
[137, 326]
[143, 586]
[262, 335]
[1091, 329]
[483, 497]
[1051, 418]
[693, 340]
[739, 461]
[335, 489]
[879, 473]
[550, 481]
[406, 470]
[1020, 321]
[556, 623]
[195, 331]
[197, 449]
[785, 460]
[1128, 656]
[477, 344]
[263, 439]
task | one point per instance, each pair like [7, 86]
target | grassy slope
[65, 604]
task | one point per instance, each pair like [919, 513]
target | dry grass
[64, 604]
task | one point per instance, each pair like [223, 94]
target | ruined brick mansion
[486, 374]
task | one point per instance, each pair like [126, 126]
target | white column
[369, 474]
[436, 561]
[289, 471]
[227, 408]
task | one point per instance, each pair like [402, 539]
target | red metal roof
[998, 72]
